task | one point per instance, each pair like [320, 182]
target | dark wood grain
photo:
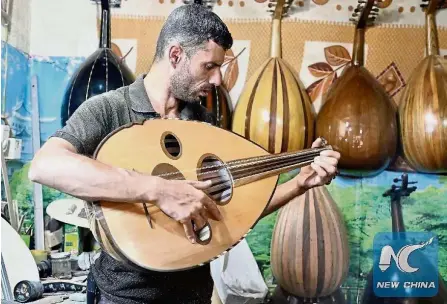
[360, 121]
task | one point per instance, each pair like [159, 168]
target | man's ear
[175, 54]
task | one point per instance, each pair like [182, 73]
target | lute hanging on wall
[423, 106]
[274, 109]
[357, 114]
[102, 71]
[218, 101]
[244, 176]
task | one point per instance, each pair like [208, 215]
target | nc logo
[401, 259]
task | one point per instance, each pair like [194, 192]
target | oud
[244, 176]
[357, 116]
[423, 107]
[309, 248]
[274, 109]
[102, 71]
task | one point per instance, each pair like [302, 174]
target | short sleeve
[88, 125]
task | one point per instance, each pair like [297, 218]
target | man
[190, 50]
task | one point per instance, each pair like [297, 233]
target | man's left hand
[321, 171]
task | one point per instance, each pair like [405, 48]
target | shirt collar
[138, 96]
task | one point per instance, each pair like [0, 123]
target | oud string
[240, 164]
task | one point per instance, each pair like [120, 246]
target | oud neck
[432, 43]
[359, 47]
[105, 36]
[275, 47]
[249, 170]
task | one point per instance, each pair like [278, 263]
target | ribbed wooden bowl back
[423, 117]
[309, 250]
[359, 120]
[274, 109]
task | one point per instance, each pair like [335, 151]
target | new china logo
[405, 264]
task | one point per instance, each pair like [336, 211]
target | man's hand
[185, 201]
[321, 171]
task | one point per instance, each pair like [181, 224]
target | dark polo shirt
[91, 122]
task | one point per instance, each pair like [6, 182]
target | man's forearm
[88, 179]
[283, 194]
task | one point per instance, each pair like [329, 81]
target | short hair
[192, 25]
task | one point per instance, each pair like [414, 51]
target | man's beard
[182, 86]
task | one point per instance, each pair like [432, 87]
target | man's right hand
[185, 201]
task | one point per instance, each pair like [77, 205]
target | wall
[19, 34]
[56, 52]
[15, 68]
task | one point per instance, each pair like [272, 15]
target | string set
[238, 166]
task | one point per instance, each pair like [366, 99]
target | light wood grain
[423, 107]
[274, 109]
[244, 177]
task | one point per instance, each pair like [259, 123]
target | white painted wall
[63, 28]
[68, 27]
[19, 34]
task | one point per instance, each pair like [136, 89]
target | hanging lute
[274, 109]
[244, 176]
[358, 117]
[423, 106]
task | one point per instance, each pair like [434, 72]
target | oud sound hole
[171, 145]
[167, 171]
[221, 190]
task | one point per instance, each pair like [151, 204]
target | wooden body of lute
[358, 117]
[423, 106]
[274, 109]
[244, 177]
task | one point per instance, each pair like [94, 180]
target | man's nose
[216, 78]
